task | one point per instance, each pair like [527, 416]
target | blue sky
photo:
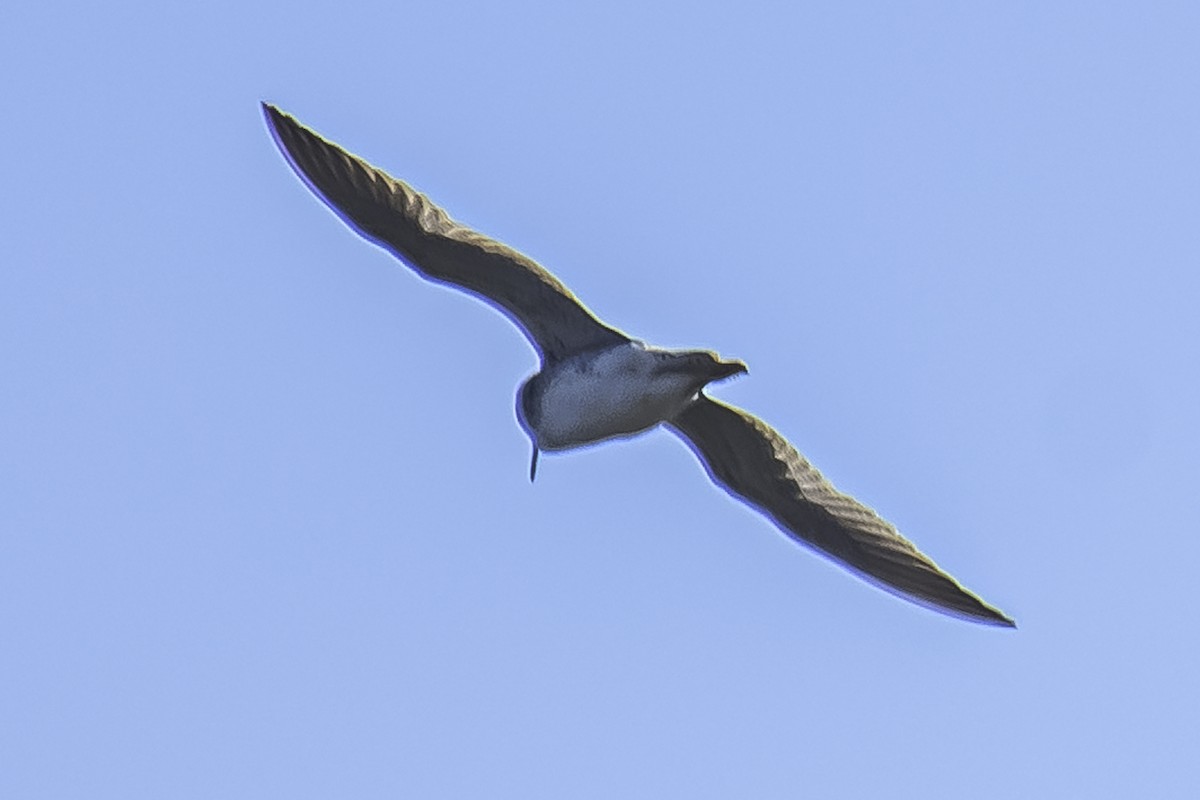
[266, 527]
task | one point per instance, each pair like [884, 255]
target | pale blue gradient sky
[266, 527]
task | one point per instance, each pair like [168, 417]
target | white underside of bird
[619, 391]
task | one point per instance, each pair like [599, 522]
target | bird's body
[596, 383]
[618, 391]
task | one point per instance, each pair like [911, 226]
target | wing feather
[392, 214]
[755, 463]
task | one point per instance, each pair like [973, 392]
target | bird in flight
[596, 383]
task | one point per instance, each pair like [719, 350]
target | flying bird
[596, 383]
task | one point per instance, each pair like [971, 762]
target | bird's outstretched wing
[391, 213]
[752, 461]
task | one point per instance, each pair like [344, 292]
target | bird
[595, 383]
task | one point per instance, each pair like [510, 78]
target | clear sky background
[266, 528]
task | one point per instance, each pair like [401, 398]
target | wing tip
[946, 597]
[276, 120]
[271, 114]
[1000, 620]
[995, 618]
[313, 159]
[280, 123]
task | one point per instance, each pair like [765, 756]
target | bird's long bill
[708, 370]
[727, 369]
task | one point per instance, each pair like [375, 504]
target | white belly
[616, 394]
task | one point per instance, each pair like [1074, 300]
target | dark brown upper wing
[751, 460]
[394, 215]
